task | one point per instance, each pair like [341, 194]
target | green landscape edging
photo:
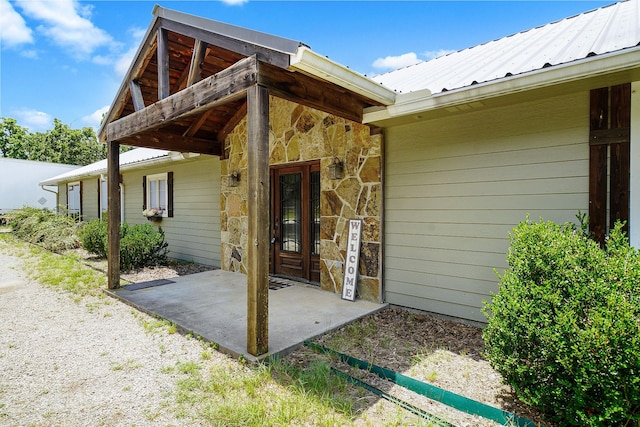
[431, 418]
[446, 397]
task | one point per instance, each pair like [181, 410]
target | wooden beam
[170, 141]
[163, 64]
[258, 230]
[218, 89]
[138, 67]
[232, 123]
[195, 68]
[136, 95]
[113, 214]
[244, 48]
[197, 124]
[302, 89]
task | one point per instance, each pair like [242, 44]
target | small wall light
[234, 179]
[336, 169]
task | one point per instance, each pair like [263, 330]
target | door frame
[309, 260]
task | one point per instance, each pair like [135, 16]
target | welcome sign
[351, 260]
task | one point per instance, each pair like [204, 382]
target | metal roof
[130, 158]
[607, 29]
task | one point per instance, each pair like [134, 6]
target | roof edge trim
[310, 62]
[409, 103]
[258, 38]
[165, 158]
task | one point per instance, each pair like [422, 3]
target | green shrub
[93, 236]
[141, 245]
[54, 232]
[564, 328]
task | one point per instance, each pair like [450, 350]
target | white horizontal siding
[456, 186]
[193, 233]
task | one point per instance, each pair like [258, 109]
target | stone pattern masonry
[302, 134]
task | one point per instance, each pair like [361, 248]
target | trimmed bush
[93, 236]
[141, 245]
[564, 328]
[54, 232]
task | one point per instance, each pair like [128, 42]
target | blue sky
[65, 59]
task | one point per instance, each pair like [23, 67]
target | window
[74, 198]
[158, 193]
[103, 199]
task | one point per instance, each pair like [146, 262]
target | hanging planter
[153, 214]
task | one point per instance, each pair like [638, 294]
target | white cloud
[432, 54]
[95, 118]
[124, 61]
[67, 24]
[395, 62]
[35, 121]
[235, 2]
[29, 53]
[13, 28]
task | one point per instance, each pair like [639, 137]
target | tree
[58, 145]
[12, 139]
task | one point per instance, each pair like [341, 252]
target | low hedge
[141, 245]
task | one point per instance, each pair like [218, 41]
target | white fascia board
[168, 158]
[309, 62]
[423, 101]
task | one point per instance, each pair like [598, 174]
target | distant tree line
[58, 145]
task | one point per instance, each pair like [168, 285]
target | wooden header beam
[218, 89]
[170, 141]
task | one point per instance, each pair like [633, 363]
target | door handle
[274, 233]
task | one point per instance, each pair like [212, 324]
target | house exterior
[438, 165]
[19, 183]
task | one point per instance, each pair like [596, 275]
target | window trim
[146, 188]
[73, 184]
[102, 209]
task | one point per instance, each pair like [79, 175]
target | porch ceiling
[176, 56]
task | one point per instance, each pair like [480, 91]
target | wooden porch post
[258, 233]
[113, 214]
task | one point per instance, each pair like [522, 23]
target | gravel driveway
[87, 363]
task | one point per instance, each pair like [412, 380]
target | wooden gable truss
[187, 88]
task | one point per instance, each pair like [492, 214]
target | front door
[295, 224]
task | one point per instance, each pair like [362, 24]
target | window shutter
[99, 198]
[80, 217]
[170, 194]
[144, 192]
[609, 158]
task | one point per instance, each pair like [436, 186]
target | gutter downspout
[52, 191]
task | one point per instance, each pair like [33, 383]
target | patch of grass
[266, 395]
[128, 365]
[61, 272]
[353, 335]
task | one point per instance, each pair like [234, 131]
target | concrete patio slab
[213, 305]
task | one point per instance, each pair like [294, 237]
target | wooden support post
[113, 214]
[258, 233]
[163, 64]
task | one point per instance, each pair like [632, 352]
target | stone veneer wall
[298, 134]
